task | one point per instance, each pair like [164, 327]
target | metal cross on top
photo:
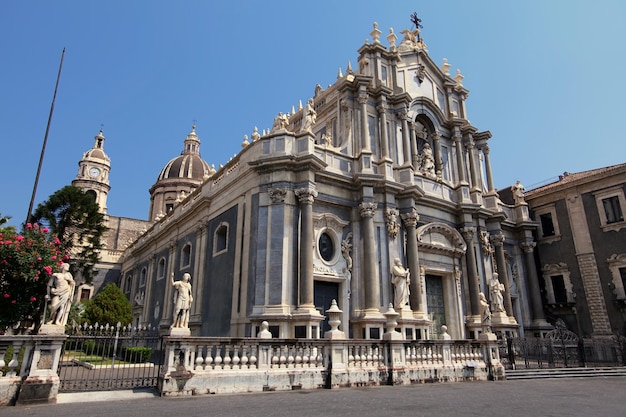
[418, 24]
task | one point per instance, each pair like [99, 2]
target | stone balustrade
[204, 365]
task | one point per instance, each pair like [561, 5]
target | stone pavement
[596, 396]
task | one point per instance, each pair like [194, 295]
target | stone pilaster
[306, 197]
[498, 241]
[370, 275]
[410, 220]
[472, 275]
[539, 319]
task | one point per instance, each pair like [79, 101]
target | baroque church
[378, 193]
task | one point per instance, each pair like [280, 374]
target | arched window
[185, 257]
[129, 283]
[161, 269]
[220, 239]
[142, 277]
[92, 194]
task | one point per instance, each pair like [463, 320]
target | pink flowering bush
[27, 260]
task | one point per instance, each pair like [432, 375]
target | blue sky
[544, 78]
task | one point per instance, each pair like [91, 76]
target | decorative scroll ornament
[277, 195]
[391, 220]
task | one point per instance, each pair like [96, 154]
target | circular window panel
[326, 247]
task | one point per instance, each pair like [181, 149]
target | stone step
[565, 372]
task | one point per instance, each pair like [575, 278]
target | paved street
[599, 396]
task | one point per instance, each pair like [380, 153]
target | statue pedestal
[179, 332]
[42, 383]
[51, 329]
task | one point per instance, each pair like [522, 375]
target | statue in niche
[401, 280]
[391, 218]
[310, 116]
[485, 313]
[495, 293]
[518, 192]
[182, 300]
[60, 292]
[427, 161]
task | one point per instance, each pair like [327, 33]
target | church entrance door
[325, 292]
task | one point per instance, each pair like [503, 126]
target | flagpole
[45, 140]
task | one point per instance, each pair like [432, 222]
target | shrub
[135, 354]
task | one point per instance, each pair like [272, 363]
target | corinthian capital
[528, 247]
[497, 240]
[363, 98]
[411, 218]
[468, 233]
[277, 195]
[368, 209]
[306, 195]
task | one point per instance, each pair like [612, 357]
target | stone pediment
[439, 237]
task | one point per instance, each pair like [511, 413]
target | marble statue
[427, 161]
[60, 292]
[182, 301]
[485, 313]
[495, 293]
[310, 116]
[518, 192]
[400, 278]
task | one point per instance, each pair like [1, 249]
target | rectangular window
[456, 110]
[85, 293]
[558, 286]
[441, 101]
[383, 74]
[547, 226]
[372, 128]
[612, 209]
[622, 273]
[401, 80]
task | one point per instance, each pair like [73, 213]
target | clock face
[94, 172]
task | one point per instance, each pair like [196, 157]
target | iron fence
[105, 357]
[541, 353]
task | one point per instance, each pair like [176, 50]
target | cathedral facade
[378, 193]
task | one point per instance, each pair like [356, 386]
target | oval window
[326, 246]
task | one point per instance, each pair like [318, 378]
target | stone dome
[189, 164]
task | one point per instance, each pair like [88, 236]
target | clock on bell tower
[93, 173]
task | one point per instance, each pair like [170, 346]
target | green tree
[74, 217]
[109, 306]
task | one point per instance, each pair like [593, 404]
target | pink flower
[57, 241]
[45, 230]
[13, 302]
[39, 259]
[48, 269]
[36, 278]
[29, 226]
[36, 226]
[53, 257]
[33, 299]
[7, 295]
[19, 238]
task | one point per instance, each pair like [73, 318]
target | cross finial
[418, 24]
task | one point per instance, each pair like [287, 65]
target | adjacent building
[582, 249]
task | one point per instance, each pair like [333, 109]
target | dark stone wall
[219, 276]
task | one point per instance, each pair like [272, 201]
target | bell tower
[93, 173]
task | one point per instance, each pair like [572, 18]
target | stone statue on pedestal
[60, 292]
[182, 301]
[400, 278]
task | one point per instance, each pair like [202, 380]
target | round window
[327, 247]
